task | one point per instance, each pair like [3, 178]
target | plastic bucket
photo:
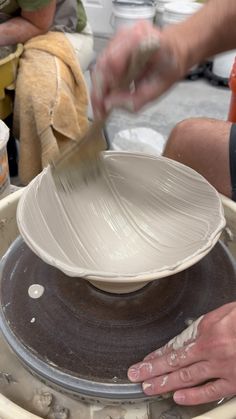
[128, 14]
[223, 63]
[139, 139]
[160, 7]
[179, 11]
[4, 169]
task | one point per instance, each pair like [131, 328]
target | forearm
[208, 32]
[181, 46]
[18, 30]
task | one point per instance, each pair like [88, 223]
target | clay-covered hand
[199, 365]
[160, 72]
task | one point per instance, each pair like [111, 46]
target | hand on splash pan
[160, 72]
[199, 365]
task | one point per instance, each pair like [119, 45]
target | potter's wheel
[82, 339]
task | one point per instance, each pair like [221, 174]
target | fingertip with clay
[134, 374]
[148, 388]
[140, 372]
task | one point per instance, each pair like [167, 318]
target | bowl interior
[144, 218]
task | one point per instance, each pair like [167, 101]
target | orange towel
[50, 104]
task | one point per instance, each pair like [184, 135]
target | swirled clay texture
[143, 218]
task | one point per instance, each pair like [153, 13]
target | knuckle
[202, 371]
[185, 375]
[211, 391]
[172, 359]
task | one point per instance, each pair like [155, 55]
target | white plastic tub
[223, 63]
[124, 15]
[4, 169]
[8, 226]
[175, 12]
[179, 11]
[139, 139]
[160, 7]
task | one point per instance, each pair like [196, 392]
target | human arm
[209, 31]
[28, 24]
[199, 365]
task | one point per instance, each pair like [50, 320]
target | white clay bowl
[145, 218]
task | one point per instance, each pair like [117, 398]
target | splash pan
[144, 218]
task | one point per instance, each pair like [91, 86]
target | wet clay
[189, 335]
[143, 218]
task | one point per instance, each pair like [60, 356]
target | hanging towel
[51, 101]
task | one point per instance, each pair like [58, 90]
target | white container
[175, 12]
[223, 63]
[124, 15]
[140, 139]
[178, 11]
[160, 7]
[4, 169]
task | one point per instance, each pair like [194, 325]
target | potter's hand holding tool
[86, 151]
[111, 69]
[198, 365]
[182, 46]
